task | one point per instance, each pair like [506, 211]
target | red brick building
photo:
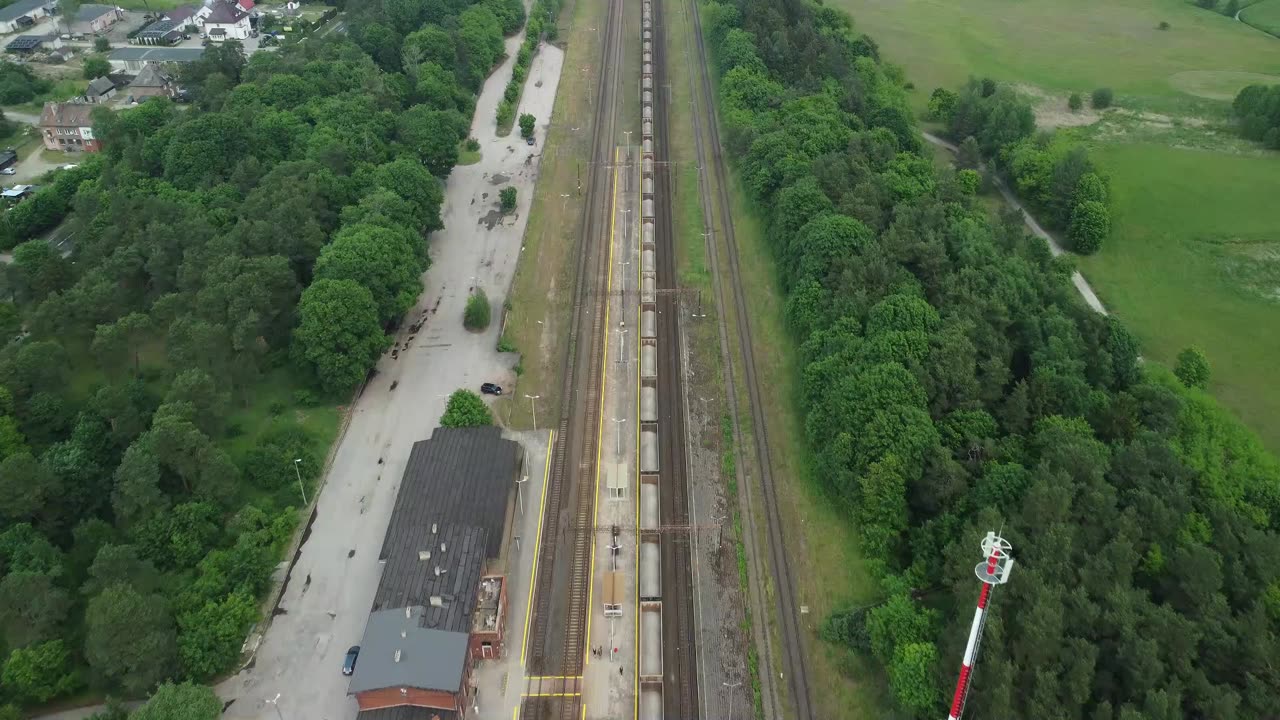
[68, 126]
[441, 602]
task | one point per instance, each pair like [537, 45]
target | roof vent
[436, 601]
[441, 547]
[424, 554]
[433, 528]
[397, 656]
[404, 634]
[408, 612]
[440, 571]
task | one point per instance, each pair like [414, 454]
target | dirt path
[1082, 285]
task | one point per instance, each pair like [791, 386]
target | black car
[491, 389]
[349, 663]
[529, 140]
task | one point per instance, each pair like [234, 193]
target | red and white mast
[993, 571]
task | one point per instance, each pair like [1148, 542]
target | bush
[527, 123]
[1163, 25]
[1075, 102]
[508, 199]
[466, 409]
[1101, 98]
[506, 113]
[1090, 224]
[101, 44]
[95, 66]
[473, 144]
[476, 316]
[1192, 368]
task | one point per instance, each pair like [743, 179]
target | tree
[1075, 102]
[409, 179]
[1101, 97]
[26, 487]
[69, 9]
[507, 198]
[465, 409]
[1090, 225]
[211, 636]
[122, 339]
[187, 701]
[129, 638]
[1233, 7]
[101, 44]
[32, 608]
[1192, 368]
[96, 66]
[121, 563]
[527, 123]
[942, 103]
[380, 260]
[338, 335]
[1207, 4]
[37, 271]
[969, 156]
[433, 135]
[476, 315]
[39, 673]
[912, 674]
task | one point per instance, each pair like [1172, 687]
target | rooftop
[156, 54]
[66, 114]
[407, 712]
[180, 13]
[398, 652]
[150, 77]
[99, 86]
[159, 28]
[88, 13]
[225, 13]
[25, 42]
[20, 8]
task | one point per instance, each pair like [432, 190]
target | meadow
[1264, 15]
[1063, 47]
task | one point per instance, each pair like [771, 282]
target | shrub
[506, 113]
[466, 409]
[942, 104]
[473, 144]
[1192, 368]
[1090, 223]
[1101, 98]
[527, 123]
[508, 199]
[1075, 102]
[101, 44]
[476, 316]
[968, 181]
[95, 66]
[1163, 25]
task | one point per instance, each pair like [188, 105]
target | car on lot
[491, 389]
[8, 171]
[529, 140]
[349, 662]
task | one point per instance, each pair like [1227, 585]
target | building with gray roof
[11, 16]
[441, 599]
[133, 59]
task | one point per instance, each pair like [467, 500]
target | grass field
[1066, 46]
[1264, 15]
[1195, 259]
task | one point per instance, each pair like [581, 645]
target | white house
[224, 20]
[23, 14]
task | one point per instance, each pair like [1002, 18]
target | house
[18, 193]
[22, 14]
[68, 126]
[160, 32]
[92, 19]
[8, 158]
[441, 601]
[133, 59]
[226, 21]
[182, 16]
[152, 81]
[25, 45]
[100, 90]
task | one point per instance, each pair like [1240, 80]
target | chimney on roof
[441, 547]
[424, 554]
[433, 528]
[436, 601]
[408, 612]
[397, 656]
[404, 634]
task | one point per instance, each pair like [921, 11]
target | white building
[23, 14]
[224, 20]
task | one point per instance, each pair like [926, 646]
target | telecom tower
[993, 571]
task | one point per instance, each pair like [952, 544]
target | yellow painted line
[584, 711]
[604, 377]
[515, 713]
[553, 677]
[635, 700]
[565, 694]
[537, 543]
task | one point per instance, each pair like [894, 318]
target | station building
[441, 602]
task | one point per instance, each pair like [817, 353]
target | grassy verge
[541, 300]
[1193, 258]
[1264, 15]
[1065, 46]
[467, 156]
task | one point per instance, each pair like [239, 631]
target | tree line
[235, 266]
[542, 25]
[1050, 172]
[1257, 108]
[952, 382]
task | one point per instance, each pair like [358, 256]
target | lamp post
[622, 344]
[534, 405]
[276, 702]
[519, 496]
[301, 489]
[618, 422]
[731, 687]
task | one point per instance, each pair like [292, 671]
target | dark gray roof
[99, 86]
[224, 13]
[20, 8]
[157, 54]
[407, 712]
[86, 13]
[25, 42]
[398, 652]
[150, 77]
[159, 28]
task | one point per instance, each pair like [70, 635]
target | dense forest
[953, 383]
[1257, 108]
[235, 266]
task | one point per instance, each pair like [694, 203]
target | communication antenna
[992, 571]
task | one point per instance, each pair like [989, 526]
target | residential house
[8, 158]
[160, 32]
[25, 45]
[152, 81]
[23, 14]
[182, 16]
[226, 21]
[92, 19]
[133, 59]
[100, 90]
[68, 126]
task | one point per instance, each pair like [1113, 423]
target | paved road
[22, 117]
[1082, 285]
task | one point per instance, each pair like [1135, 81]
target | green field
[1195, 259]
[1063, 46]
[1264, 15]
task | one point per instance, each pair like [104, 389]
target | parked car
[529, 140]
[8, 171]
[349, 662]
[491, 389]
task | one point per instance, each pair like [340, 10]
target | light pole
[519, 497]
[276, 702]
[301, 489]
[719, 521]
[731, 687]
[618, 423]
[628, 134]
[534, 405]
[622, 344]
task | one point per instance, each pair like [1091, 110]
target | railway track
[562, 587]
[679, 662]
[793, 663]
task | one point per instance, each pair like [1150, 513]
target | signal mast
[992, 571]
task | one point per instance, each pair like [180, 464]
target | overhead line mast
[992, 571]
